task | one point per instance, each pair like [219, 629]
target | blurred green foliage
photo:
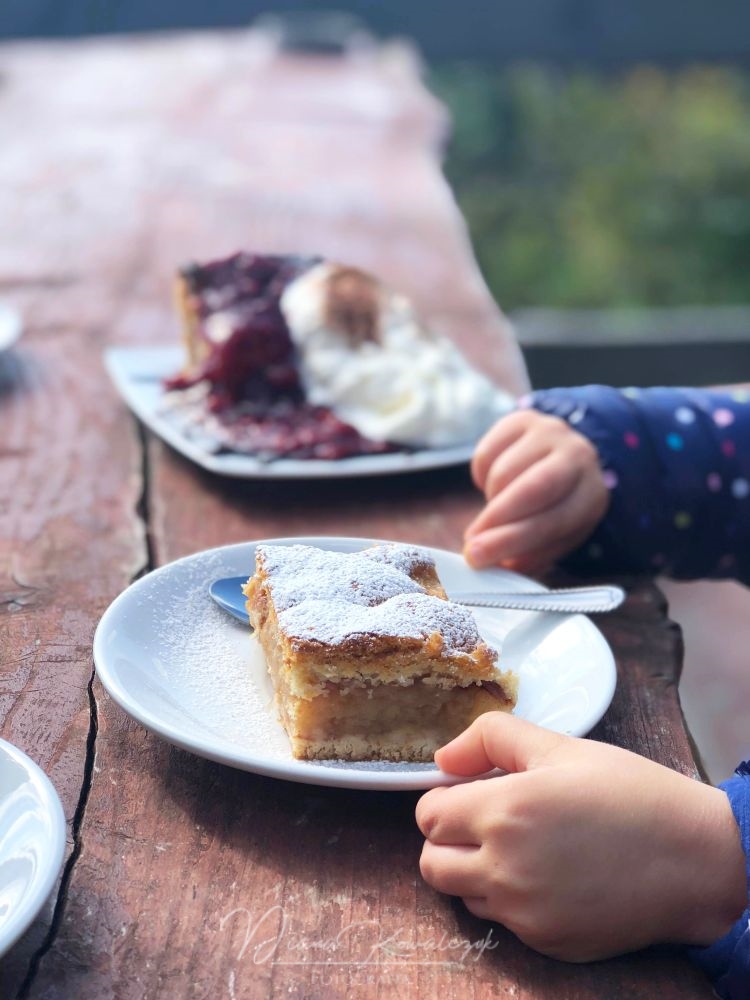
[582, 189]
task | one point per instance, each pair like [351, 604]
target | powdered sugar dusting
[300, 573]
[334, 597]
[411, 616]
[406, 558]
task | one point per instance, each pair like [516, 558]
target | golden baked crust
[369, 660]
[196, 349]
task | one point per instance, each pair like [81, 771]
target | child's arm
[583, 850]
[676, 464]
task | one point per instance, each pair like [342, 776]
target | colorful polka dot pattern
[675, 441]
[677, 465]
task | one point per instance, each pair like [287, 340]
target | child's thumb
[497, 739]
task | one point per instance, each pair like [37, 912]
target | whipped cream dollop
[363, 353]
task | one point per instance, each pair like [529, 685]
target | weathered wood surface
[185, 878]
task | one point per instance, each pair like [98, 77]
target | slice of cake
[239, 352]
[368, 658]
[304, 358]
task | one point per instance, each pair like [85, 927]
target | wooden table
[128, 157]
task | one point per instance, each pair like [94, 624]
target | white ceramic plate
[138, 374]
[32, 842]
[189, 672]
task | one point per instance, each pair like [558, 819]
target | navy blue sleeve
[677, 463]
[727, 962]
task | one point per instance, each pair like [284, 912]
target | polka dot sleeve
[677, 462]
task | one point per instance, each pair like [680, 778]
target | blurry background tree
[585, 189]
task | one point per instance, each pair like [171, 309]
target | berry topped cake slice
[369, 660]
[303, 358]
[239, 350]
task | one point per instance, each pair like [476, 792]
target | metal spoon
[228, 595]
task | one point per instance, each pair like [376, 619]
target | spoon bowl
[227, 592]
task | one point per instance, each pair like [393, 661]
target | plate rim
[45, 876]
[311, 772]
[239, 466]
[11, 326]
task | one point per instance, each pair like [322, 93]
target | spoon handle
[569, 600]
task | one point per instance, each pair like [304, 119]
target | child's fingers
[505, 546]
[537, 562]
[457, 871]
[497, 739]
[447, 815]
[534, 489]
[480, 906]
[537, 559]
[499, 437]
[539, 535]
[516, 461]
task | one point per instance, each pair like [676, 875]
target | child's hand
[584, 850]
[544, 490]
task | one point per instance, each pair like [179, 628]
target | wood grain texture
[71, 484]
[186, 878]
